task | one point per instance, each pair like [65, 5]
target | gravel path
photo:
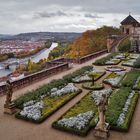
[14, 129]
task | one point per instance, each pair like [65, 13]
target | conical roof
[129, 20]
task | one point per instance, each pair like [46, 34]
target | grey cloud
[36, 15]
[88, 15]
[51, 14]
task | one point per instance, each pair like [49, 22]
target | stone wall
[27, 80]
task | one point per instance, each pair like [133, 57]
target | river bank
[43, 54]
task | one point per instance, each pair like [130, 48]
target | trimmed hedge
[90, 86]
[130, 79]
[116, 103]
[137, 63]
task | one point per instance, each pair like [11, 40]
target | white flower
[81, 78]
[32, 110]
[122, 116]
[115, 69]
[85, 76]
[70, 88]
[79, 122]
[130, 62]
[137, 83]
[97, 94]
[115, 81]
[112, 61]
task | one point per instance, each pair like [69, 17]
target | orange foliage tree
[91, 41]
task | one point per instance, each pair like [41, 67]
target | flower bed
[129, 62]
[78, 122]
[114, 78]
[115, 69]
[122, 56]
[121, 101]
[134, 56]
[129, 114]
[90, 86]
[86, 78]
[122, 116]
[38, 111]
[36, 94]
[121, 108]
[137, 84]
[97, 95]
[86, 104]
[111, 59]
[133, 61]
[130, 79]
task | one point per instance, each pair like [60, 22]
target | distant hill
[5, 36]
[91, 41]
[34, 36]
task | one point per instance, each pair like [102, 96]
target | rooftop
[129, 20]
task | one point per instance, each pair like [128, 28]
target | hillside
[91, 41]
[34, 36]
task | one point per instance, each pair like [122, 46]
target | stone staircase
[117, 42]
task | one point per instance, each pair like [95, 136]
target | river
[35, 58]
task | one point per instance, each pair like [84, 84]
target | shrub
[103, 60]
[116, 103]
[125, 45]
[137, 63]
[90, 86]
[130, 79]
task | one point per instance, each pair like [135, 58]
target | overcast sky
[18, 16]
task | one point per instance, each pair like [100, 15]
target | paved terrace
[14, 129]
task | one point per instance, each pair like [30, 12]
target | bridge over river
[12, 63]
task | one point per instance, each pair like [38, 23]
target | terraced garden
[121, 87]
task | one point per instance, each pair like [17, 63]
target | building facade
[130, 26]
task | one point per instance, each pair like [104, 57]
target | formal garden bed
[122, 103]
[121, 107]
[91, 86]
[88, 104]
[137, 84]
[38, 110]
[114, 78]
[108, 60]
[39, 104]
[132, 61]
[114, 69]
[88, 76]
[38, 99]
[130, 79]
[111, 59]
